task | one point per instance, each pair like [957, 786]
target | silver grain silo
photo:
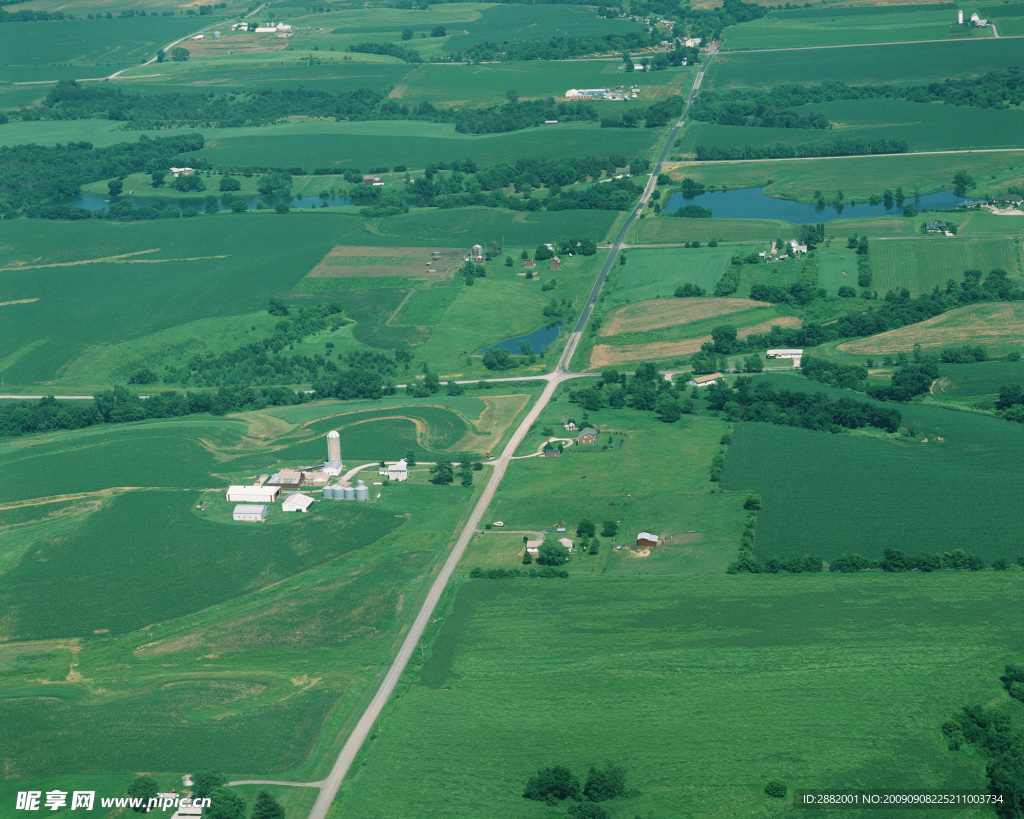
[362, 491]
[350, 493]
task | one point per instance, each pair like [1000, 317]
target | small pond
[539, 340]
[752, 203]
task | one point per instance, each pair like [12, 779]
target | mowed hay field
[920, 264]
[995, 326]
[656, 272]
[416, 262]
[953, 486]
[656, 313]
[823, 681]
[610, 355]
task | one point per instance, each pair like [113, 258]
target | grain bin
[350, 493]
[362, 491]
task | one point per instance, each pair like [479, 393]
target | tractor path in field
[562, 372]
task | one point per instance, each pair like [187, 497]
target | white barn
[297, 503]
[251, 512]
[253, 494]
[332, 468]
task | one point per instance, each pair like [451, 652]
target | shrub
[555, 782]
[776, 788]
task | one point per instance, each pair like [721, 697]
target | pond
[99, 201]
[538, 339]
[752, 203]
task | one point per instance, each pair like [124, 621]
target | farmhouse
[182, 171]
[396, 472]
[1009, 201]
[375, 181]
[646, 540]
[551, 451]
[570, 426]
[253, 494]
[936, 227]
[533, 546]
[566, 543]
[587, 436]
[297, 503]
[251, 512]
[797, 247]
[705, 380]
[555, 264]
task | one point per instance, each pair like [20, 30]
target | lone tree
[143, 788]
[556, 782]
[442, 474]
[586, 528]
[605, 783]
[267, 807]
[609, 528]
[115, 186]
[180, 55]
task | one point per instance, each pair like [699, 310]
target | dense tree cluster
[557, 783]
[839, 147]
[30, 16]
[760, 401]
[644, 390]
[404, 54]
[501, 574]
[34, 174]
[656, 115]
[559, 47]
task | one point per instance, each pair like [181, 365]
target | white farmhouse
[397, 471]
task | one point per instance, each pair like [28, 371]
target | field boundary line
[867, 45]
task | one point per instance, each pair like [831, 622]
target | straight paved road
[562, 373]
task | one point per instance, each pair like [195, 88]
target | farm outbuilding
[587, 436]
[646, 540]
[529, 264]
[286, 479]
[705, 380]
[255, 513]
[551, 451]
[253, 494]
[332, 468]
[555, 264]
[398, 471]
[297, 503]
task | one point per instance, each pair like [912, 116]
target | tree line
[839, 147]
[34, 174]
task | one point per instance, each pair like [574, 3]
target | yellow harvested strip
[657, 313]
[605, 355]
[18, 301]
[121, 258]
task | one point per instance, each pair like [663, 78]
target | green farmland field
[499, 23]
[862, 65]
[656, 273]
[669, 230]
[319, 144]
[466, 226]
[486, 84]
[951, 492]
[921, 264]
[85, 48]
[825, 26]
[923, 127]
[885, 660]
[862, 176]
[976, 383]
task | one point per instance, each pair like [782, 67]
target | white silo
[960, 17]
[333, 446]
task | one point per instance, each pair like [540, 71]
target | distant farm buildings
[476, 253]
[376, 181]
[176, 172]
[781, 353]
[529, 264]
[286, 479]
[555, 263]
[645, 540]
[585, 93]
[251, 512]
[705, 380]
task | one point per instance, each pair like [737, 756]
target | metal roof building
[253, 494]
[297, 503]
[251, 512]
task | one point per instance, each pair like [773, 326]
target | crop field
[919, 264]
[322, 144]
[447, 84]
[500, 23]
[818, 26]
[862, 65]
[418, 262]
[658, 313]
[426, 307]
[923, 127]
[893, 658]
[757, 314]
[975, 383]
[994, 326]
[611, 355]
[656, 273]
[85, 48]
[837, 267]
[669, 229]
[898, 481]
[858, 177]
[478, 225]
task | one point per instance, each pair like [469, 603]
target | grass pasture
[976, 383]
[885, 660]
[651, 273]
[672, 230]
[322, 144]
[920, 264]
[996, 327]
[417, 262]
[862, 65]
[478, 225]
